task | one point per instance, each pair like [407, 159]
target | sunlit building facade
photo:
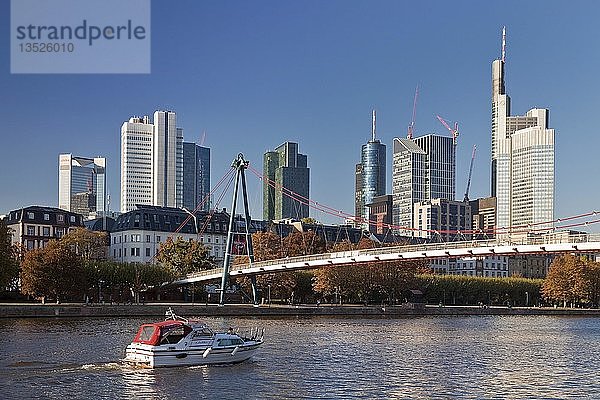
[82, 184]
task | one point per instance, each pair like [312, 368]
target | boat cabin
[167, 332]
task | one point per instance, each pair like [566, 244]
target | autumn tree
[572, 279]
[184, 257]
[54, 270]
[89, 245]
[9, 266]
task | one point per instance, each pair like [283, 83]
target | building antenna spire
[503, 44]
[373, 126]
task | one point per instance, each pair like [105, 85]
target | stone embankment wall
[158, 310]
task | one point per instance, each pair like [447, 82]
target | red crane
[411, 126]
[454, 131]
[470, 172]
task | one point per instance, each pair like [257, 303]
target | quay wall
[244, 310]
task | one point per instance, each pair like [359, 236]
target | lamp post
[526, 299]
[269, 296]
[100, 282]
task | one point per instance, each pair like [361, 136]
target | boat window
[146, 333]
[230, 342]
[174, 335]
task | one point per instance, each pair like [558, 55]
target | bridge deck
[573, 243]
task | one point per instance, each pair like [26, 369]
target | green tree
[184, 257]
[9, 266]
[89, 245]
[54, 270]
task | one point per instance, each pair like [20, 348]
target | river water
[483, 357]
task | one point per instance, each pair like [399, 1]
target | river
[513, 357]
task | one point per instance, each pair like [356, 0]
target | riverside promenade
[75, 310]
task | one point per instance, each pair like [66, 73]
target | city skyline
[321, 102]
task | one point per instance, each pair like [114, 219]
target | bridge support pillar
[240, 165]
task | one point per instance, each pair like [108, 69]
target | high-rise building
[151, 161]
[287, 169]
[196, 176]
[358, 194]
[423, 169]
[522, 159]
[372, 176]
[446, 218]
[82, 184]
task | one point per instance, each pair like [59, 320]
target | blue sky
[256, 73]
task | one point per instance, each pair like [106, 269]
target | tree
[9, 266]
[89, 245]
[184, 257]
[572, 280]
[54, 270]
[107, 278]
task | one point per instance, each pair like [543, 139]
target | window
[115, 253]
[158, 239]
[30, 215]
[120, 253]
[30, 230]
[46, 231]
[216, 240]
[147, 238]
[73, 218]
[46, 217]
[60, 218]
[147, 251]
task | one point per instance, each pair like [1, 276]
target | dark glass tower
[196, 176]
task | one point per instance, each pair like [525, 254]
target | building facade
[442, 219]
[196, 176]
[82, 185]
[483, 216]
[522, 160]
[151, 161]
[138, 234]
[373, 174]
[285, 171]
[380, 214]
[423, 169]
[32, 227]
[358, 194]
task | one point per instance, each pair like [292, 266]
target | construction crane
[470, 172]
[411, 126]
[454, 131]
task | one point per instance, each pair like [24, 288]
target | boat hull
[156, 357]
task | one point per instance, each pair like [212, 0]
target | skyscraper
[151, 161]
[196, 176]
[82, 184]
[286, 168]
[423, 169]
[372, 174]
[522, 158]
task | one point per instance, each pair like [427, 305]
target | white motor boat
[179, 342]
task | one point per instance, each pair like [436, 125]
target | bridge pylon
[240, 165]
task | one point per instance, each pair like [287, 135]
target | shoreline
[75, 310]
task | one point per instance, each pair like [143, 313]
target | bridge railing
[559, 238]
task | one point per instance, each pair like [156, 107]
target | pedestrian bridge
[568, 243]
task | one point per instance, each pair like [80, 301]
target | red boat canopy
[152, 333]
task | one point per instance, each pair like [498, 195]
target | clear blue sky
[256, 73]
